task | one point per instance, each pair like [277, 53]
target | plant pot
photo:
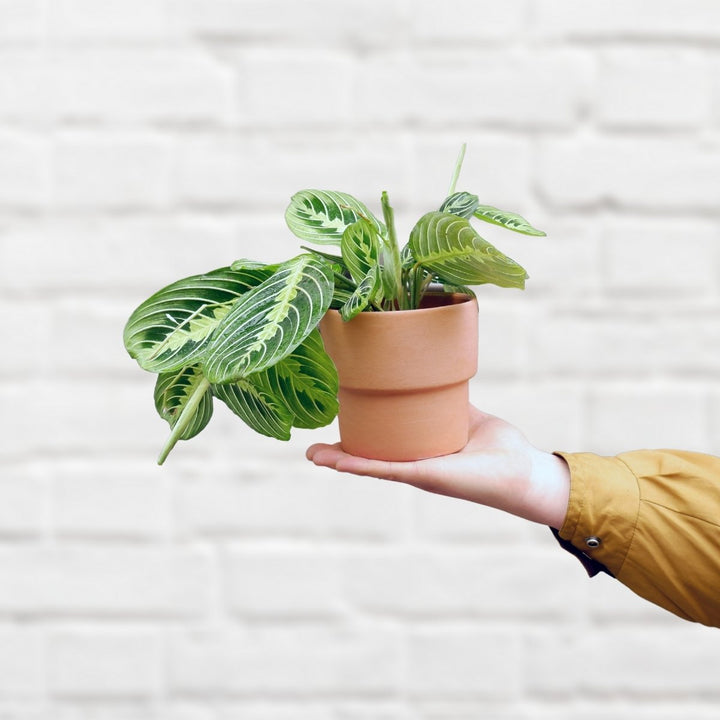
[404, 377]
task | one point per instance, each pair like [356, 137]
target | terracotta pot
[404, 377]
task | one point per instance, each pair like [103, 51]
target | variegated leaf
[183, 400]
[511, 221]
[172, 327]
[321, 216]
[260, 409]
[360, 249]
[270, 320]
[173, 390]
[363, 295]
[460, 203]
[450, 247]
[306, 381]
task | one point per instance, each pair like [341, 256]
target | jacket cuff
[602, 510]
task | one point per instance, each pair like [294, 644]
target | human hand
[498, 467]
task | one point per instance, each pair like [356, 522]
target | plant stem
[184, 420]
[458, 166]
[389, 216]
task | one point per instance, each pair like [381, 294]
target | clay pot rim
[461, 299]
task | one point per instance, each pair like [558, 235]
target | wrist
[551, 483]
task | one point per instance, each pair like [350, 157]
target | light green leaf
[307, 383]
[511, 221]
[460, 203]
[270, 320]
[360, 249]
[450, 247]
[321, 216]
[363, 295]
[172, 393]
[172, 327]
[260, 409]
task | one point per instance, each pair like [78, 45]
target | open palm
[498, 467]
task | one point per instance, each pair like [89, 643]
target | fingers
[332, 456]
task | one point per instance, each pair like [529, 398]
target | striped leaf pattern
[321, 216]
[363, 295]
[171, 329]
[174, 390]
[268, 322]
[263, 411]
[307, 383]
[360, 249]
[449, 246]
[460, 203]
[511, 221]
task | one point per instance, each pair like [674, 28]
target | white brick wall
[144, 140]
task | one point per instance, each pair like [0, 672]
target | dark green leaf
[460, 203]
[172, 327]
[270, 321]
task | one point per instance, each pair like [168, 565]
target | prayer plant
[247, 334]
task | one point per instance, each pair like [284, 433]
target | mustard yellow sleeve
[652, 518]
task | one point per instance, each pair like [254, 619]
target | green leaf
[172, 327]
[450, 247]
[321, 216]
[173, 390]
[460, 203]
[511, 221]
[363, 295]
[307, 383]
[360, 249]
[270, 320]
[260, 409]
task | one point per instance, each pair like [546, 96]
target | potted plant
[254, 335]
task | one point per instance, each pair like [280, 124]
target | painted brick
[259, 497]
[143, 85]
[551, 413]
[449, 520]
[284, 583]
[248, 172]
[653, 88]
[304, 663]
[461, 583]
[22, 19]
[627, 660]
[119, 86]
[318, 22]
[661, 417]
[22, 664]
[627, 20]
[585, 345]
[496, 169]
[107, 581]
[24, 171]
[73, 416]
[131, 502]
[660, 257]
[112, 172]
[293, 78]
[645, 173]
[443, 82]
[92, 664]
[98, 254]
[465, 20]
[84, 20]
[463, 663]
[24, 500]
